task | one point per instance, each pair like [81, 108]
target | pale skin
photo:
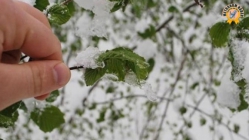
[24, 29]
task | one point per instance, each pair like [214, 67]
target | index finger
[28, 34]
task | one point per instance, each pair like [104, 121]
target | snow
[245, 72]
[228, 92]
[30, 2]
[95, 26]
[131, 78]
[151, 94]
[88, 57]
[240, 51]
[143, 46]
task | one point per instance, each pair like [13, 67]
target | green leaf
[116, 7]
[244, 24]
[116, 115]
[148, 33]
[183, 110]
[93, 75]
[116, 67]
[203, 121]
[48, 118]
[41, 4]
[219, 34]
[236, 128]
[10, 115]
[172, 9]
[111, 89]
[93, 106]
[151, 63]
[102, 115]
[53, 96]
[58, 14]
[71, 8]
[141, 73]
[194, 85]
[243, 104]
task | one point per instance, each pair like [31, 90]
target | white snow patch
[132, 80]
[96, 26]
[111, 77]
[146, 48]
[88, 57]
[151, 94]
[245, 71]
[240, 50]
[32, 104]
[228, 92]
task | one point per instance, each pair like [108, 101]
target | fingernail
[61, 74]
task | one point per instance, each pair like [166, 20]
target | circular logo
[233, 12]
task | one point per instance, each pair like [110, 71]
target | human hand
[25, 29]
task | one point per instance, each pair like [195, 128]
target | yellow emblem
[233, 12]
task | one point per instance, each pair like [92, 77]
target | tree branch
[130, 96]
[170, 94]
[159, 28]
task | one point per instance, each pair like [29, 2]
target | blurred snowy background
[186, 73]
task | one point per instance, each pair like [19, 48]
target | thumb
[30, 79]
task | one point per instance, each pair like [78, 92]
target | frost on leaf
[131, 78]
[95, 26]
[88, 58]
[228, 92]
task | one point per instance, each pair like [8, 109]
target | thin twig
[23, 57]
[159, 28]
[199, 3]
[170, 94]
[213, 118]
[76, 67]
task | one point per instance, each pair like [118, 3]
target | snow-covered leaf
[5, 121]
[58, 14]
[219, 33]
[228, 94]
[48, 119]
[133, 61]
[88, 58]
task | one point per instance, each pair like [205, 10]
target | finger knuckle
[38, 74]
